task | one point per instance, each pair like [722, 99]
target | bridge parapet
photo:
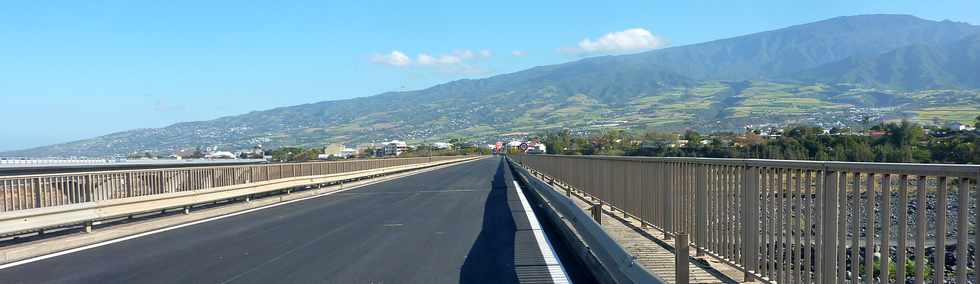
[40, 202]
[50, 190]
[795, 221]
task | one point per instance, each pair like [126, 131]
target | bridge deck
[458, 224]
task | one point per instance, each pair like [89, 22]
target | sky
[71, 70]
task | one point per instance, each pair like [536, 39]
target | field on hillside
[705, 107]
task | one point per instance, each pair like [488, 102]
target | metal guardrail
[796, 221]
[25, 161]
[88, 213]
[50, 190]
[28, 163]
[610, 262]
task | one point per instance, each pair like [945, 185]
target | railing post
[828, 266]
[750, 220]
[701, 208]
[89, 189]
[668, 200]
[597, 212]
[682, 268]
[38, 199]
[214, 177]
[160, 182]
[129, 184]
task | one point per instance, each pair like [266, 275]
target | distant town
[333, 151]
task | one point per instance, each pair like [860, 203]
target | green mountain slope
[773, 54]
[912, 67]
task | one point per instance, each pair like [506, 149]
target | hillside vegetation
[843, 71]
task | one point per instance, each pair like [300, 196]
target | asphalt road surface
[458, 224]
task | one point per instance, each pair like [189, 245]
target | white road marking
[161, 230]
[550, 257]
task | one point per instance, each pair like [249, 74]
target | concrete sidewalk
[651, 250]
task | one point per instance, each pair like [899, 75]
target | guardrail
[796, 221]
[82, 198]
[25, 161]
[48, 190]
[609, 262]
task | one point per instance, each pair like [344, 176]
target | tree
[291, 154]
[902, 143]
[692, 137]
[557, 141]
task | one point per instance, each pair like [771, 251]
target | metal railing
[796, 221]
[49, 190]
[26, 161]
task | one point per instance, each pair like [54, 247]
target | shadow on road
[491, 259]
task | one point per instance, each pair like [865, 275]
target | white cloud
[518, 53]
[453, 59]
[395, 58]
[462, 54]
[635, 39]
[425, 59]
[458, 61]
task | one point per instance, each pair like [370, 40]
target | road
[458, 224]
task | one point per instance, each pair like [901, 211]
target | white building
[395, 148]
[220, 155]
[960, 127]
[536, 148]
[539, 147]
[442, 145]
[342, 153]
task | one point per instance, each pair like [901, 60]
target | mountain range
[835, 72]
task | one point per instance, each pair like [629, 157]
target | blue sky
[78, 69]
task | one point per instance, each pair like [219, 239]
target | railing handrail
[30, 191]
[46, 217]
[957, 170]
[761, 215]
[203, 166]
